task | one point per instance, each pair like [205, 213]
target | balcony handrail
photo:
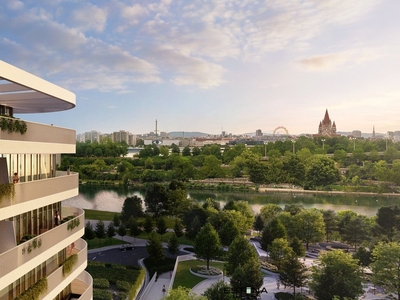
[16, 257]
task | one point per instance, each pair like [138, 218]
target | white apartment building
[37, 256]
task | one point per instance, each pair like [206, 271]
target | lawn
[91, 214]
[183, 276]
[95, 243]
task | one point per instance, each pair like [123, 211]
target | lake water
[112, 199]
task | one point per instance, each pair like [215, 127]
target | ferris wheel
[277, 129]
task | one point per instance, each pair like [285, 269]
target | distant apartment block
[35, 242]
[356, 134]
[259, 133]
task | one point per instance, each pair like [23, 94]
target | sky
[211, 65]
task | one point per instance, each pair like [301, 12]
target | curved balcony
[82, 284]
[33, 194]
[40, 138]
[28, 255]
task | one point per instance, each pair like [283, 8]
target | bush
[101, 294]
[101, 283]
[123, 285]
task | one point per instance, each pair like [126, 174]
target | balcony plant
[33, 292]
[13, 125]
[69, 263]
[7, 190]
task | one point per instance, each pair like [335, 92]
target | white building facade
[36, 253]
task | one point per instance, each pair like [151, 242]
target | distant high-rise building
[326, 127]
[259, 132]
[373, 133]
[119, 136]
[356, 134]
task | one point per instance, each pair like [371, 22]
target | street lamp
[265, 149]
[354, 140]
[293, 141]
[323, 144]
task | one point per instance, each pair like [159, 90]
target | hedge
[101, 283]
[99, 294]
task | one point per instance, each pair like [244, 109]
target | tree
[293, 272]
[337, 274]
[89, 232]
[148, 224]
[100, 230]
[186, 151]
[116, 220]
[181, 293]
[122, 231]
[134, 228]
[212, 167]
[228, 233]
[258, 223]
[161, 226]
[330, 221]
[279, 250]
[355, 231]
[173, 246]
[272, 231]
[320, 171]
[111, 230]
[270, 211]
[156, 199]
[207, 244]
[178, 227]
[132, 207]
[219, 290]
[243, 265]
[363, 255]
[310, 226]
[297, 247]
[388, 219]
[386, 265]
[154, 248]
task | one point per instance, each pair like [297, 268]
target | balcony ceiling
[27, 93]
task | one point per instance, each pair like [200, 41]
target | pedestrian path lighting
[323, 144]
[293, 142]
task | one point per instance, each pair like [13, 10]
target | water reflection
[112, 199]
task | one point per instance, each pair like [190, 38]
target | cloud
[90, 17]
[332, 61]
[15, 5]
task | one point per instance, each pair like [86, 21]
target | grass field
[183, 276]
[99, 215]
[95, 243]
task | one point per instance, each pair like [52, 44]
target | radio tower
[156, 128]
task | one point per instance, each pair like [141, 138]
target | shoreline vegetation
[241, 184]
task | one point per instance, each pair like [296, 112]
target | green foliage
[386, 265]
[207, 244]
[99, 294]
[7, 190]
[69, 263]
[154, 248]
[293, 272]
[219, 290]
[123, 285]
[173, 246]
[161, 226]
[181, 293]
[13, 125]
[136, 285]
[33, 292]
[101, 283]
[337, 274]
[132, 207]
[73, 223]
[275, 229]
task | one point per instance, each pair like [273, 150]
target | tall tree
[178, 227]
[356, 231]
[330, 221]
[272, 231]
[310, 226]
[293, 272]
[100, 230]
[173, 246]
[386, 266]
[337, 274]
[279, 250]
[111, 230]
[388, 219]
[154, 248]
[134, 228]
[121, 231]
[258, 223]
[148, 224]
[132, 207]
[207, 244]
[156, 199]
[320, 171]
[220, 291]
[89, 232]
[243, 265]
[161, 226]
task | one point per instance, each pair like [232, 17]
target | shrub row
[101, 283]
[99, 294]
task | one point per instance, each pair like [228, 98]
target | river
[112, 199]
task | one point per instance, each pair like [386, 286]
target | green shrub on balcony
[73, 223]
[7, 190]
[34, 291]
[69, 263]
[13, 125]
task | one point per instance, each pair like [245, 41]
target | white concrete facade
[35, 245]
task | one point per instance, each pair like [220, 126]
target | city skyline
[212, 66]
